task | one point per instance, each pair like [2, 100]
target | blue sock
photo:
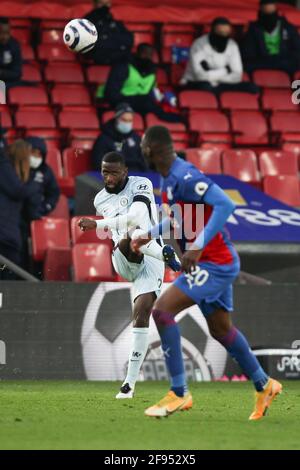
[239, 349]
[171, 345]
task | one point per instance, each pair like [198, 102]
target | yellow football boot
[169, 404]
[264, 399]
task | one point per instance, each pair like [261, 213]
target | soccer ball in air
[80, 36]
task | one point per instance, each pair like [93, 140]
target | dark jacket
[255, 53]
[47, 190]
[112, 140]
[10, 61]
[115, 40]
[13, 195]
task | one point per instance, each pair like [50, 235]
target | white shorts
[148, 276]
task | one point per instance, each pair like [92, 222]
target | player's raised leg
[221, 328]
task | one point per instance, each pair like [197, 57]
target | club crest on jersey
[201, 188]
[123, 202]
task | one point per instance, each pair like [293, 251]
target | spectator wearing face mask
[215, 62]
[118, 135]
[10, 56]
[42, 175]
[271, 42]
[115, 40]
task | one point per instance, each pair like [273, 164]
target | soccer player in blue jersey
[210, 265]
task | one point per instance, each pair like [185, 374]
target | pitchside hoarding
[83, 331]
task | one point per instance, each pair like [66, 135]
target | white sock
[137, 354]
[151, 249]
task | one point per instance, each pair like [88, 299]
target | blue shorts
[210, 286]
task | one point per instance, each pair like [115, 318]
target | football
[80, 36]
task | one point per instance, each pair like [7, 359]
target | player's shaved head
[157, 148]
[114, 157]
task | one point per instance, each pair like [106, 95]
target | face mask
[124, 127]
[218, 42]
[35, 162]
[268, 21]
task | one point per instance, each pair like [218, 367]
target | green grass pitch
[85, 415]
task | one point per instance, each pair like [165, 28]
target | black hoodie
[115, 40]
[112, 140]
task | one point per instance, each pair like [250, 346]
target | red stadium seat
[92, 263]
[177, 72]
[79, 237]
[138, 120]
[176, 38]
[167, 55]
[72, 117]
[57, 264]
[198, 100]
[279, 100]
[285, 121]
[83, 144]
[65, 95]
[52, 24]
[242, 164]
[49, 233]
[162, 77]
[141, 37]
[76, 162]
[284, 188]
[98, 73]
[208, 161]
[62, 72]
[55, 53]
[52, 36]
[28, 96]
[174, 28]
[278, 163]
[212, 126]
[250, 128]
[140, 26]
[153, 120]
[20, 23]
[52, 136]
[84, 118]
[292, 147]
[27, 52]
[6, 119]
[10, 135]
[55, 162]
[23, 35]
[83, 139]
[271, 79]
[61, 211]
[235, 100]
[31, 73]
[35, 117]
